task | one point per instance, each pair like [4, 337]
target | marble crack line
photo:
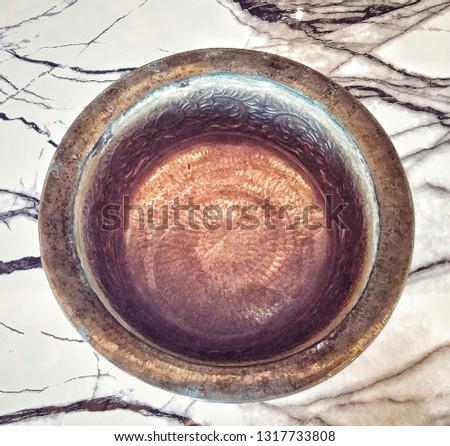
[413, 129]
[58, 338]
[163, 50]
[429, 12]
[421, 93]
[11, 328]
[397, 84]
[444, 138]
[188, 408]
[236, 15]
[391, 400]
[431, 82]
[316, 420]
[423, 151]
[15, 392]
[20, 195]
[23, 264]
[90, 42]
[94, 391]
[168, 402]
[77, 378]
[436, 188]
[102, 404]
[430, 266]
[356, 16]
[52, 64]
[94, 40]
[28, 212]
[32, 93]
[329, 43]
[30, 124]
[76, 79]
[26, 90]
[3, 78]
[351, 403]
[43, 389]
[384, 96]
[48, 13]
[355, 392]
[29, 101]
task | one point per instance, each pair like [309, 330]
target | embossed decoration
[243, 109]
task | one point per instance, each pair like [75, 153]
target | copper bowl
[227, 224]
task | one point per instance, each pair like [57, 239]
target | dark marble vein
[14, 392]
[77, 69]
[24, 94]
[168, 402]
[22, 264]
[28, 212]
[301, 421]
[103, 404]
[11, 328]
[30, 124]
[322, 17]
[437, 188]
[54, 10]
[29, 207]
[429, 266]
[442, 117]
[94, 39]
[325, 23]
[413, 129]
[77, 378]
[100, 34]
[23, 195]
[342, 399]
[321, 20]
[4, 79]
[43, 389]
[59, 338]
[99, 373]
[424, 151]
[76, 79]
[188, 408]
[32, 93]
[30, 101]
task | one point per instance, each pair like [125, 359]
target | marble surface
[56, 56]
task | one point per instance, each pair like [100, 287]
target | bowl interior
[226, 219]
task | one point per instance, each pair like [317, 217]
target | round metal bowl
[227, 224]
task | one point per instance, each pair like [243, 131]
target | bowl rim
[227, 383]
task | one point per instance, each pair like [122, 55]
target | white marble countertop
[56, 56]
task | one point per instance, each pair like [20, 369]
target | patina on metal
[227, 314]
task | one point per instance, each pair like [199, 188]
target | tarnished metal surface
[220, 314]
